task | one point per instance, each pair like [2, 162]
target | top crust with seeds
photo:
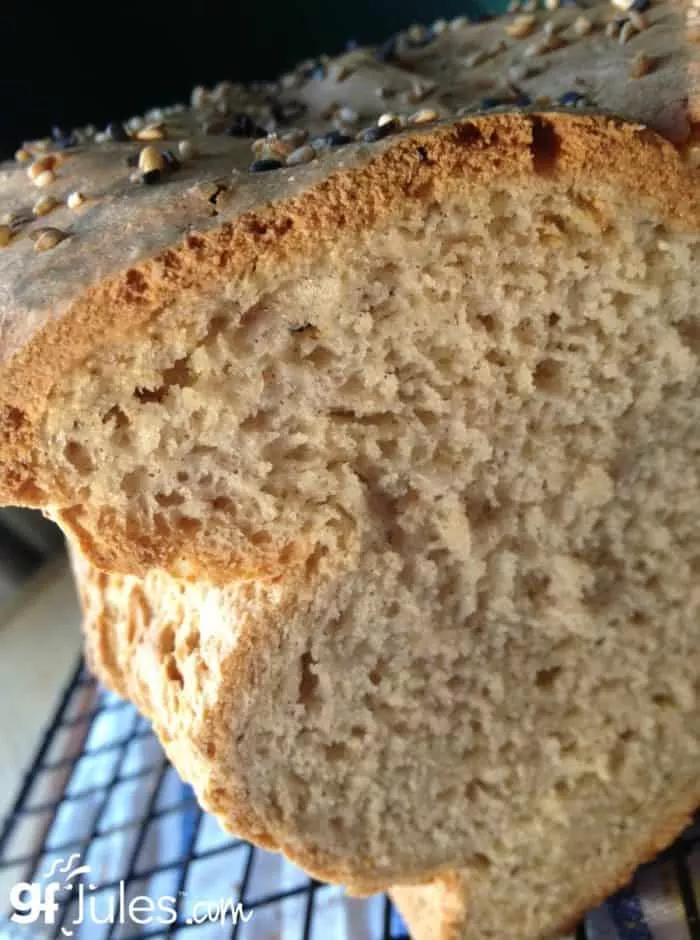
[135, 252]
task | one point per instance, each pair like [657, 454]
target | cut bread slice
[393, 455]
[187, 378]
[529, 762]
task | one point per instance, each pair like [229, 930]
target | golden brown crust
[260, 247]
[440, 910]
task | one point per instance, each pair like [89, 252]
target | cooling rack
[102, 815]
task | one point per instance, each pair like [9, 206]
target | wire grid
[154, 840]
[95, 746]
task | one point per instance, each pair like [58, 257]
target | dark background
[71, 64]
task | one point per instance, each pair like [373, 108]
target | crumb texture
[476, 436]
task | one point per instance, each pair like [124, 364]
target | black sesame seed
[315, 71]
[151, 176]
[422, 154]
[117, 132]
[264, 165]
[285, 112]
[570, 98]
[336, 138]
[487, 103]
[244, 126]
[171, 160]
[378, 133]
[522, 101]
[387, 51]
[640, 6]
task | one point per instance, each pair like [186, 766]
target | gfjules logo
[38, 902]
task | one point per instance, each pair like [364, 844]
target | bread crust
[258, 249]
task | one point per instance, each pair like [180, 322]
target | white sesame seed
[45, 179]
[135, 124]
[5, 235]
[44, 205]
[550, 28]
[303, 154]
[459, 22]
[101, 137]
[626, 32]
[536, 49]
[424, 116]
[475, 58]
[513, 6]
[623, 5]
[582, 26]
[439, 26]
[185, 149]
[200, 97]
[290, 80]
[386, 118]
[89, 130]
[75, 199]
[551, 4]
[348, 115]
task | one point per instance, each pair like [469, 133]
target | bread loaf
[393, 455]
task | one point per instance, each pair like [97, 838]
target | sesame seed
[44, 205]
[550, 28]
[424, 116]
[75, 199]
[459, 22]
[642, 65]
[638, 20]
[290, 81]
[151, 132]
[200, 97]
[243, 125]
[265, 165]
[640, 6]
[186, 149]
[623, 5]
[348, 116]
[171, 161]
[151, 160]
[45, 178]
[582, 26]
[571, 99]
[22, 155]
[101, 137]
[116, 132]
[303, 154]
[626, 32]
[5, 235]
[378, 132]
[536, 49]
[529, 6]
[551, 4]
[47, 238]
[336, 138]
[386, 118]
[513, 6]
[475, 58]
[418, 36]
[439, 26]
[135, 123]
[295, 137]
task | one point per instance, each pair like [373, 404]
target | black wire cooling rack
[101, 796]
